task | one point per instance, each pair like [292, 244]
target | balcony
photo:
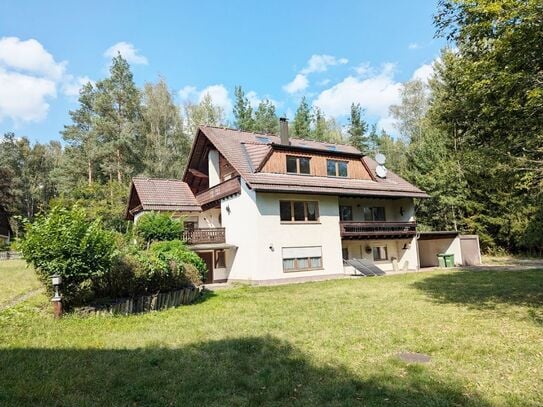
[204, 235]
[377, 230]
[213, 195]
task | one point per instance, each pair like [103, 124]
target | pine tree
[266, 119]
[243, 112]
[320, 127]
[119, 127]
[81, 135]
[357, 129]
[302, 120]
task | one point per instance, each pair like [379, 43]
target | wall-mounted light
[271, 247]
[228, 209]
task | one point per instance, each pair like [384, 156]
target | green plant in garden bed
[156, 226]
[66, 243]
[96, 264]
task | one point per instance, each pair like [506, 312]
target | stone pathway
[19, 299]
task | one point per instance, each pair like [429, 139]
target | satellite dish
[381, 171]
[380, 158]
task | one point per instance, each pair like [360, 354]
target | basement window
[302, 258]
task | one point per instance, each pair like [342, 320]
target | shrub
[177, 251]
[155, 226]
[66, 243]
[164, 266]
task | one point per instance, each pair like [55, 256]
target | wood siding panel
[225, 169]
[277, 163]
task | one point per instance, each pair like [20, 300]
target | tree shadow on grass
[243, 371]
[488, 288]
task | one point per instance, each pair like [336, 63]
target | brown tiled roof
[257, 153]
[165, 194]
[240, 149]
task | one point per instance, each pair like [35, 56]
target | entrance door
[208, 259]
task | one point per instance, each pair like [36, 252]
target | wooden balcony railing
[204, 235]
[372, 230]
[216, 193]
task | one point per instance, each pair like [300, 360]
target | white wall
[254, 224]
[240, 221]
[273, 233]
[392, 208]
[406, 259]
[429, 249]
[213, 169]
[210, 218]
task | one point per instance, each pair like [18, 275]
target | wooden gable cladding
[277, 163]
[226, 169]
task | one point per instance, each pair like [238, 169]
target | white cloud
[187, 92]
[320, 63]
[363, 69]
[414, 45]
[29, 77]
[71, 84]
[316, 63]
[128, 52]
[324, 82]
[29, 57]
[24, 97]
[298, 84]
[424, 72]
[253, 99]
[219, 95]
[375, 94]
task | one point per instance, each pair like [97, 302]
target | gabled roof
[247, 152]
[158, 194]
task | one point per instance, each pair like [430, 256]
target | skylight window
[331, 148]
[263, 139]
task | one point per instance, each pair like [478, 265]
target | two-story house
[262, 208]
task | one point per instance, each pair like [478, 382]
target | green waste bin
[449, 260]
[445, 260]
[441, 260]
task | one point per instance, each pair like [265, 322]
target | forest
[471, 137]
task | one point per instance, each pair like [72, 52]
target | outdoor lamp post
[57, 299]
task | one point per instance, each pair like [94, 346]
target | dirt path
[19, 299]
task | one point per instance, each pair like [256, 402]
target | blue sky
[332, 52]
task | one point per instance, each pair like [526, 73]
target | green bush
[155, 226]
[164, 266]
[175, 250]
[66, 243]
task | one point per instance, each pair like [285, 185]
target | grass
[325, 343]
[15, 280]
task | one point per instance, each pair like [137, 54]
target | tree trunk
[119, 174]
[89, 171]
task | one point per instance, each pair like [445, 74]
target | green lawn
[326, 343]
[15, 280]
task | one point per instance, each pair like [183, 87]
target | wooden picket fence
[146, 303]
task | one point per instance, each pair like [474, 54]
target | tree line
[472, 136]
